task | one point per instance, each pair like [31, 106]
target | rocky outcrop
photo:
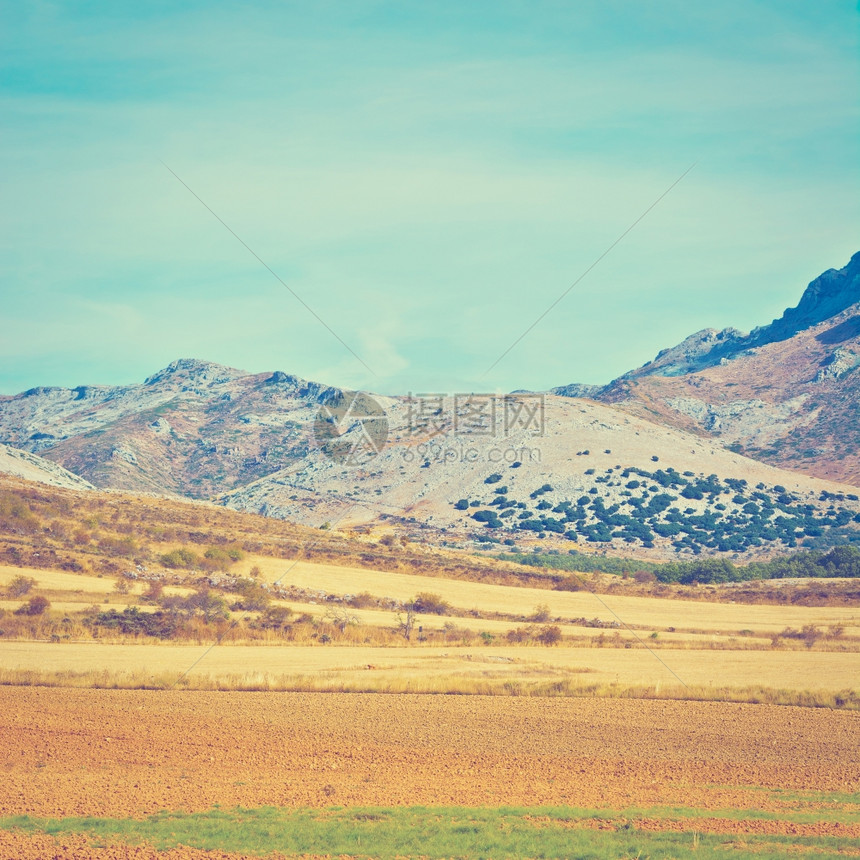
[828, 295]
[699, 350]
[576, 389]
[837, 364]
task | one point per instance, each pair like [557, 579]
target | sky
[388, 195]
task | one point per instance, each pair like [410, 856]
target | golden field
[341, 601]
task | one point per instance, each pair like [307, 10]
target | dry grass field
[650, 613]
[658, 647]
[341, 619]
[432, 668]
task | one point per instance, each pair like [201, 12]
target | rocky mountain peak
[192, 370]
[699, 350]
[829, 294]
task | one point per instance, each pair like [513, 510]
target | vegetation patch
[686, 512]
[446, 832]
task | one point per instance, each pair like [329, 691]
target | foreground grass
[441, 833]
[446, 684]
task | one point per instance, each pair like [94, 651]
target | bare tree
[340, 617]
[406, 620]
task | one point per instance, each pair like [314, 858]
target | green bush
[183, 558]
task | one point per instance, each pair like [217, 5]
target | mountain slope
[595, 477]
[22, 464]
[787, 393]
[194, 428]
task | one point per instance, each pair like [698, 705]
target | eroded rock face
[836, 365]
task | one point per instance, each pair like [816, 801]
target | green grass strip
[430, 832]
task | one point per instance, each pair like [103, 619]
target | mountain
[786, 393]
[194, 428]
[22, 464]
[651, 463]
[588, 476]
[532, 470]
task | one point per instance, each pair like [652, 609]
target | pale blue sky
[428, 177]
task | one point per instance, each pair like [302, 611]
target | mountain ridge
[788, 401]
[785, 393]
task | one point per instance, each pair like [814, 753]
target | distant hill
[787, 393]
[247, 441]
[595, 478]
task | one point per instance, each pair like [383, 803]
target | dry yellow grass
[367, 667]
[76, 583]
[643, 612]
[58, 580]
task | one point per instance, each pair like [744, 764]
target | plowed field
[130, 753]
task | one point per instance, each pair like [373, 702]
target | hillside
[194, 428]
[613, 480]
[249, 442]
[786, 394]
[22, 464]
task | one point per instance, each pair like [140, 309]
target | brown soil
[131, 753]
[40, 846]
[734, 826]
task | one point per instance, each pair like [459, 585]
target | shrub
[36, 605]
[541, 613]
[428, 603]
[20, 586]
[549, 635]
[568, 583]
[124, 547]
[131, 620]
[362, 601]
[275, 618]
[154, 591]
[180, 558]
[254, 599]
